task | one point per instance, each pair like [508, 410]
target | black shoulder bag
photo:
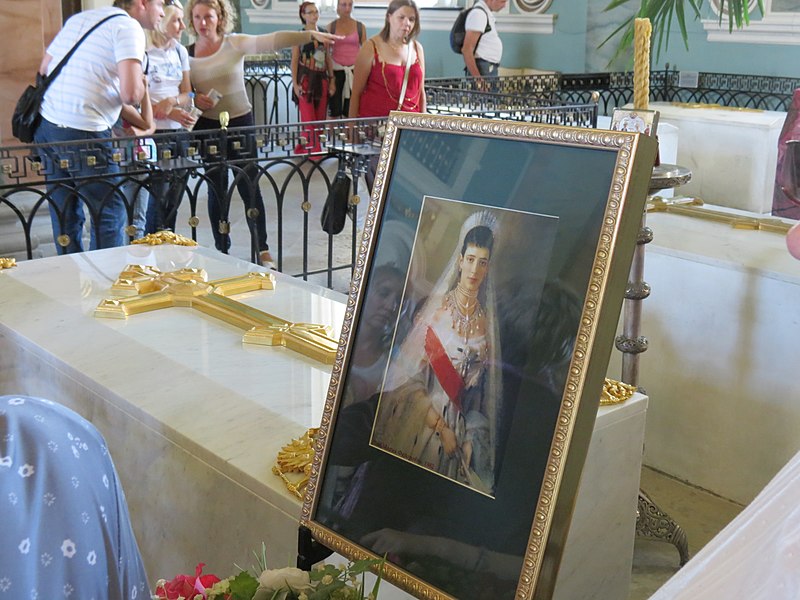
[26, 117]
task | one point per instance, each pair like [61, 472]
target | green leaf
[243, 586]
[662, 14]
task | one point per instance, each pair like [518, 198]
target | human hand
[203, 102]
[298, 90]
[325, 38]
[448, 438]
[185, 118]
[331, 87]
[162, 109]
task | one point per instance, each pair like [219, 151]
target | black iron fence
[289, 166]
[616, 89]
[293, 164]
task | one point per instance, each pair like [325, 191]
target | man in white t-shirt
[82, 103]
[483, 47]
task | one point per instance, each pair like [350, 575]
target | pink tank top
[345, 51]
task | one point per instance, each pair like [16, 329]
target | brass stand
[651, 521]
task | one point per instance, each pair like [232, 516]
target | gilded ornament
[224, 119]
[130, 230]
[615, 392]
[296, 458]
[694, 207]
[194, 221]
[306, 206]
[148, 289]
[165, 237]
[7, 263]
[63, 240]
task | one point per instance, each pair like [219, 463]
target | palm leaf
[662, 13]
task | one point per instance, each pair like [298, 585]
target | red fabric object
[186, 585]
[309, 111]
[445, 372]
[380, 96]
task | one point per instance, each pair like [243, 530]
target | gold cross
[147, 288]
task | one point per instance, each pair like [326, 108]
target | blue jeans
[486, 68]
[102, 197]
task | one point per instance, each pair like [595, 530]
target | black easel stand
[309, 550]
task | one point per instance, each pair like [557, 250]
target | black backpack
[458, 31]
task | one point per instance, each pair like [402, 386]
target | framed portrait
[635, 121]
[475, 343]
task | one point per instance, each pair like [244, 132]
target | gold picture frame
[477, 334]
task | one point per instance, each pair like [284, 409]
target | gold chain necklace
[386, 85]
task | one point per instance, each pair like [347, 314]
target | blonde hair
[158, 37]
[225, 13]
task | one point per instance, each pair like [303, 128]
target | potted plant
[662, 13]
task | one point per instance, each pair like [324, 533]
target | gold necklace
[413, 107]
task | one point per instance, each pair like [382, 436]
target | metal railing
[293, 165]
[615, 89]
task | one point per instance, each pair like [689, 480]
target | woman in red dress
[381, 66]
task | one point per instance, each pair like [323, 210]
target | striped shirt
[86, 94]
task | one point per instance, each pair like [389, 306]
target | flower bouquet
[324, 582]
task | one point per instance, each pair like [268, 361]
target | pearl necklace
[464, 321]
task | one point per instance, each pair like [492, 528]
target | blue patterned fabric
[65, 532]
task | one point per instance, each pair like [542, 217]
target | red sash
[445, 372]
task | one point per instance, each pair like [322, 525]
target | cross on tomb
[146, 288]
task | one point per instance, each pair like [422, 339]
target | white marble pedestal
[731, 153]
[194, 419]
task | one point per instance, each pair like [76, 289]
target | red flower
[186, 585]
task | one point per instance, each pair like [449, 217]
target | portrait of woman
[439, 403]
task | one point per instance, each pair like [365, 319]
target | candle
[641, 63]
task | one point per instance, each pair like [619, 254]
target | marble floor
[701, 514]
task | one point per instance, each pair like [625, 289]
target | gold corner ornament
[165, 237]
[7, 263]
[615, 392]
[146, 288]
[296, 458]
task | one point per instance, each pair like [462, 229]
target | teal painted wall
[580, 27]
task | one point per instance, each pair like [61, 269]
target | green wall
[580, 26]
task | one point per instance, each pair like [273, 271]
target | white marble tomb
[731, 152]
[194, 419]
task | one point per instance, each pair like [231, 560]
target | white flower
[5, 461]
[49, 499]
[105, 480]
[291, 578]
[46, 559]
[68, 589]
[25, 546]
[38, 418]
[5, 584]
[91, 558]
[16, 402]
[26, 470]
[68, 548]
[12, 498]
